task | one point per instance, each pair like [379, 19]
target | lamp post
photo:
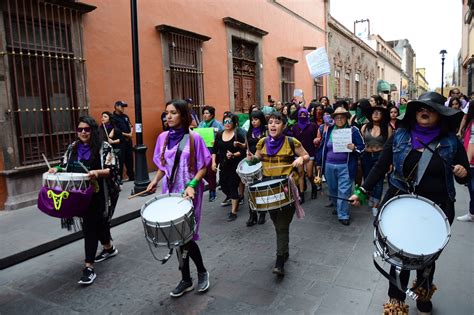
[141, 172]
[442, 53]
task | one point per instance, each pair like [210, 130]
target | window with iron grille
[347, 78]
[318, 83]
[186, 70]
[337, 83]
[46, 72]
[287, 80]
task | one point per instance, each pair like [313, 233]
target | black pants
[229, 181]
[95, 228]
[194, 252]
[126, 157]
[281, 220]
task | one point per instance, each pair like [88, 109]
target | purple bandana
[175, 136]
[256, 132]
[274, 145]
[303, 122]
[83, 151]
[425, 134]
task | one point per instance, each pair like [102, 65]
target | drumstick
[434, 152]
[138, 194]
[343, 199]
[46, 160]
[106, 133]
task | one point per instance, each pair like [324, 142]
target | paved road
[330, 271]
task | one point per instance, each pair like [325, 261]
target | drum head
[65, 176]
[268, 182]
[245, 168]
[414, 225]
[165, 208]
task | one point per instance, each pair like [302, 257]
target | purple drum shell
[64, 204]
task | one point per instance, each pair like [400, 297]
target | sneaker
[203, 281]
[106, 254]
[375, 211]
[241, 200]
[88, 276]
[226, 202]
[182, 287]
[466, 218]
[232, 217]
[212, 196]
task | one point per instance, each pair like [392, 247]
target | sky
[429, 25]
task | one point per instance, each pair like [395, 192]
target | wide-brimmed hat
[385, 112]
[341, 111]
[435, 101]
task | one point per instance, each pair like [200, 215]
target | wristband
[361, 193]
[192, 183]
[58, 168]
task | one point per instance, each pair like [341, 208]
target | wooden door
[244, 68]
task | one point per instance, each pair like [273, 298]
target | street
[330, 270]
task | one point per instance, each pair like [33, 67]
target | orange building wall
[107, 44]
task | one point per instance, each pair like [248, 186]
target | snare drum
[270, 194]
[65, 195]
[249, 173]
[411, 232]
[168, 220]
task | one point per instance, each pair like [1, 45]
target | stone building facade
[353, 64]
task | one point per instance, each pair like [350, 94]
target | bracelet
[361, 193]
[192, 183]
[58, 168]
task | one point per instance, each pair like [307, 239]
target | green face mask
[292, 111]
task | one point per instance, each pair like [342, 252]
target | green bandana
[208, 124]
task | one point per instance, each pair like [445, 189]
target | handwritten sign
[298, 93]
[340, 139]
[318, 63]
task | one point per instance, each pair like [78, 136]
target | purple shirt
[202, 159]
[335, 157]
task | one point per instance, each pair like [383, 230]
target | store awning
[383, 87]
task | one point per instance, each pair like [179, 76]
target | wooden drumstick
[138, 194]
[46, 161]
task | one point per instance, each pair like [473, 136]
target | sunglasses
[425, 108]
[227, 121]
[85, 129]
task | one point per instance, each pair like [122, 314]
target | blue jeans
[340, 185]
[471, 191]
[368, 161]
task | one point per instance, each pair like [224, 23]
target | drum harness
[420, 168]
[181, 255]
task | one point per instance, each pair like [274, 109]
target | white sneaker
[466, 218]
[375, 211]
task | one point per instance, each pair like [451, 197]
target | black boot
[261, 218]
[314, 191]
[252, 218]
[279, 266]
[301, 197]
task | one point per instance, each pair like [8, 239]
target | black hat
[435, 101]
[385, 112]
[121, 103]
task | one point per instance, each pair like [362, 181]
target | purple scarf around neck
[174, 137]
[256, 132]
[274, 145]
[83, 151]
[425, 134]
[303, 122]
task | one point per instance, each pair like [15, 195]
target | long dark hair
[383, 126]
[263, 122]
[96, 140]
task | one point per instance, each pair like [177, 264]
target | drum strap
[424, 161]
[177, 157]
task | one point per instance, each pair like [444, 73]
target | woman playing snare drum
[277, 153]
[426, 122]
[189, 171]
[98, 157]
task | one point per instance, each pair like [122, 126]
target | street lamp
[442, 53]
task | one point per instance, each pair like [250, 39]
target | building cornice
[341, 29]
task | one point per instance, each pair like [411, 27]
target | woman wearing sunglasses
[227, 154]
[427, 122]
[98, 157]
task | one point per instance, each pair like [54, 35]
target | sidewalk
[26, 228]
[330, 269]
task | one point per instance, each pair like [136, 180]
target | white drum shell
[168, 220]
[249, 173]
[66, 180]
